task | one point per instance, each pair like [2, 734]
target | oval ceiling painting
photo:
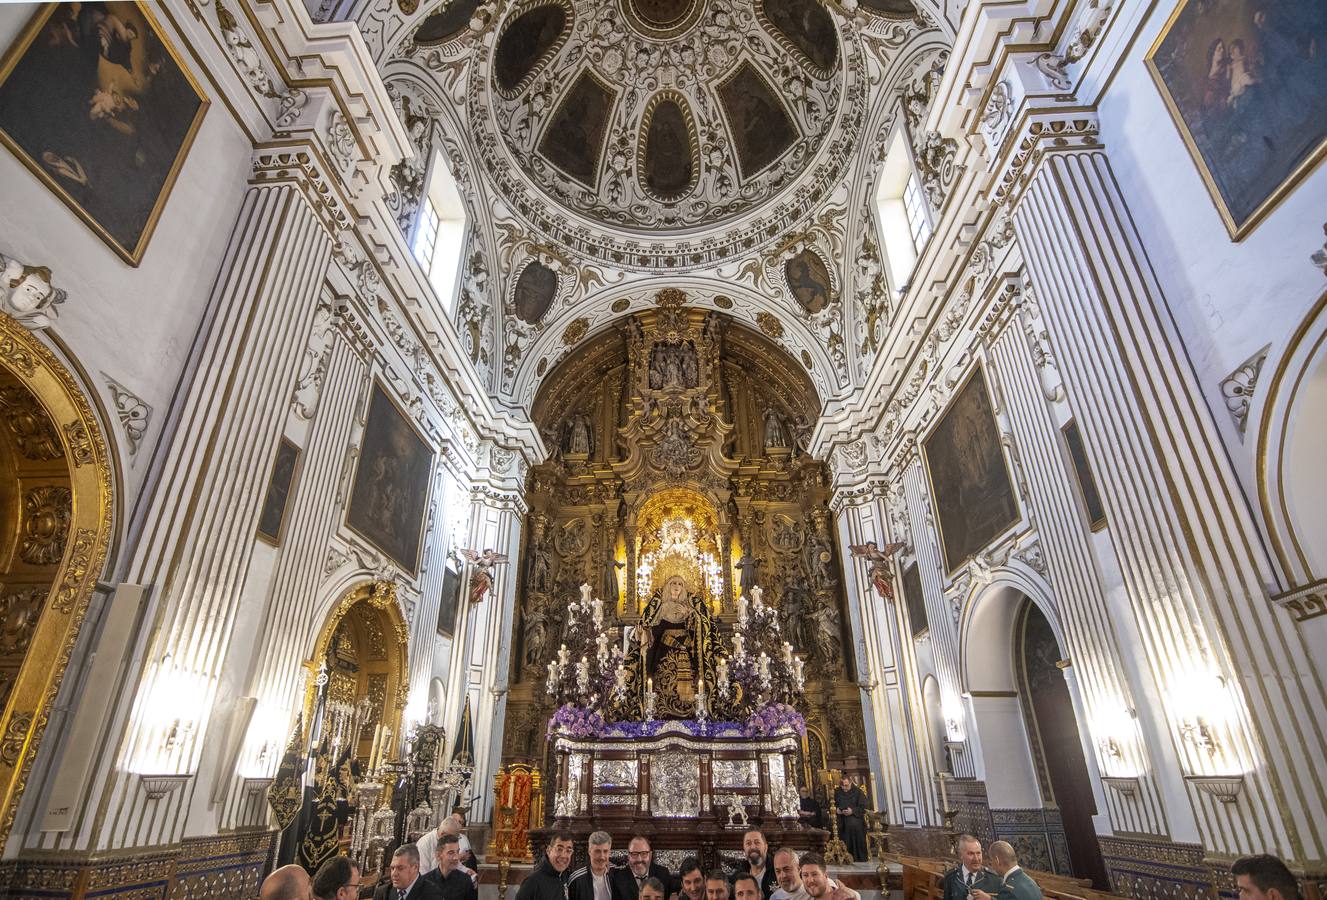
[446, 24]
[809, 281]
[535, 290]
[808, 27]
[670, 161]
[895, 9]
[526, 43]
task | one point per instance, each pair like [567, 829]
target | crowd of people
[441, 866]
[785, 875]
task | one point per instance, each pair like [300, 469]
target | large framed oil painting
[1246, 81]
[974, 495]
[391, 486]
[96, 103]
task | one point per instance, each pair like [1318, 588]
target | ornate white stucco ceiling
[581, 216]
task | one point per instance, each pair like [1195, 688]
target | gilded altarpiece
[678, 451]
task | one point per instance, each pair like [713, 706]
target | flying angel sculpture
[878, 562]
[482, 579]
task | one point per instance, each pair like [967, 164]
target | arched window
[439, 237]
[902, 213]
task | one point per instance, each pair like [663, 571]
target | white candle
[944, 797]
[787, 653]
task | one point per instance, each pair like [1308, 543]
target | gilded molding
[1306, 602]
[89, 524]
[301, 166]
[1067, 130]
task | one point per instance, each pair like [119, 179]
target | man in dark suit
[970, 874]
[406, 882]
[452, 881]
[1017, 884]
[756, 850]
[640, 865]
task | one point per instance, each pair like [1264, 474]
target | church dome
[626, 128]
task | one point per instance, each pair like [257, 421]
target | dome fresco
[656, 117]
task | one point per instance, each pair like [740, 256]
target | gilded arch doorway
[363, 647]
[56, 510]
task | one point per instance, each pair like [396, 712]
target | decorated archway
[360, 670]
[56, 510]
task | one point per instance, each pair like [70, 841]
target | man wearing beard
[815, 879]
[640, 866]
[756, 850]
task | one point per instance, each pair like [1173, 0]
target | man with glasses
[451, 880]
[337, 879]
[640, 866]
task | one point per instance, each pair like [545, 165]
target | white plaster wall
[1010, 780]
[134, 324]
[1229, 299]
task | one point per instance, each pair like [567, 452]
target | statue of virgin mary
[677, 644]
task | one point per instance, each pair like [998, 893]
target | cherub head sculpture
[26, 293]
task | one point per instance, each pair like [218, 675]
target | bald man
[1016, 884]
[287, 883]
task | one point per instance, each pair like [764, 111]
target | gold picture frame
[281, 483]
[395, 466]
[97, 104]
[971, 401]
[1233, 83]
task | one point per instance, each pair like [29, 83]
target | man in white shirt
[428, 844]
[592, 882]
[786, 870]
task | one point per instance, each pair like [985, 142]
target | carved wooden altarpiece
[679, 417]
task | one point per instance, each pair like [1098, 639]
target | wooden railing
[922, 879]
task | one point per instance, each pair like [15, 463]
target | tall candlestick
[944, 797]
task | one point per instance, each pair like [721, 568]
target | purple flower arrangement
[776, 718]
[577, 721]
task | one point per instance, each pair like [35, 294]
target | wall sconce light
[158, 786]
[1200, 733]
[175, 706]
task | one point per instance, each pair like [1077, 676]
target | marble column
[482, 667]
[1238, 697]
[892, 706]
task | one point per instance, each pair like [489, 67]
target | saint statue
[776, 435]
[676, 632]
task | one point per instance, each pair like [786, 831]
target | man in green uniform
[971, 874]
[1018, 885]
